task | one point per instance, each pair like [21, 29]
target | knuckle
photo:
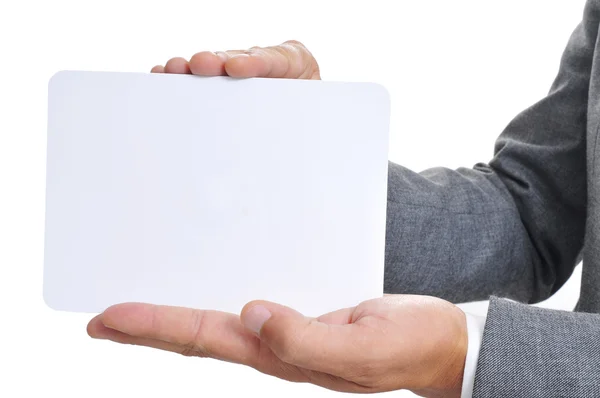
[236, 52]
[277, 51]
[188, 351]
[257, 51]
[297, 48]
[294, 43]
[197, 342]
[290, 49]
[192, 350]
[154, 318]
[301, 59]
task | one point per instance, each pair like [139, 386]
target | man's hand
[395, 342]
[290, 60]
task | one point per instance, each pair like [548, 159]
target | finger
[98, 331]
[339, 317]
[177, 65]
[266, 361]
[158, 69]
[288, 60]
[207, 63]
[302, 341]
[217, 334]
[260, 357]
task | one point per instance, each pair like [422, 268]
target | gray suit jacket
[515, 228]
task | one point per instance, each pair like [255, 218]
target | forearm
[457, 234]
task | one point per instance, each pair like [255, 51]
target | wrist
[452, 374]
[447, 368]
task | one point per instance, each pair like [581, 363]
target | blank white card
[209, 192]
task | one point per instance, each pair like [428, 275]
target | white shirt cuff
[475, 326]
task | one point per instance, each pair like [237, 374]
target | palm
[403, 318]
[375, 346]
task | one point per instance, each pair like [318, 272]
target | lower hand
[391, 343]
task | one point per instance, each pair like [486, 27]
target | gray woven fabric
[533, 352]
[516, 227]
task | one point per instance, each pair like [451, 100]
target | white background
[457, 71]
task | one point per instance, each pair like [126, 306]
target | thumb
[299, 340]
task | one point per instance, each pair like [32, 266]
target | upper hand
[395, 342]
[289, 60]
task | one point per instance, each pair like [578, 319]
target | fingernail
[224, 57]
[256, 317]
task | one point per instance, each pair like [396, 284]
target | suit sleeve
[533, 352]
[512, 227]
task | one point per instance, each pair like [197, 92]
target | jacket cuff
[535, 352]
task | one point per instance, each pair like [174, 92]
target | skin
[395, 342]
